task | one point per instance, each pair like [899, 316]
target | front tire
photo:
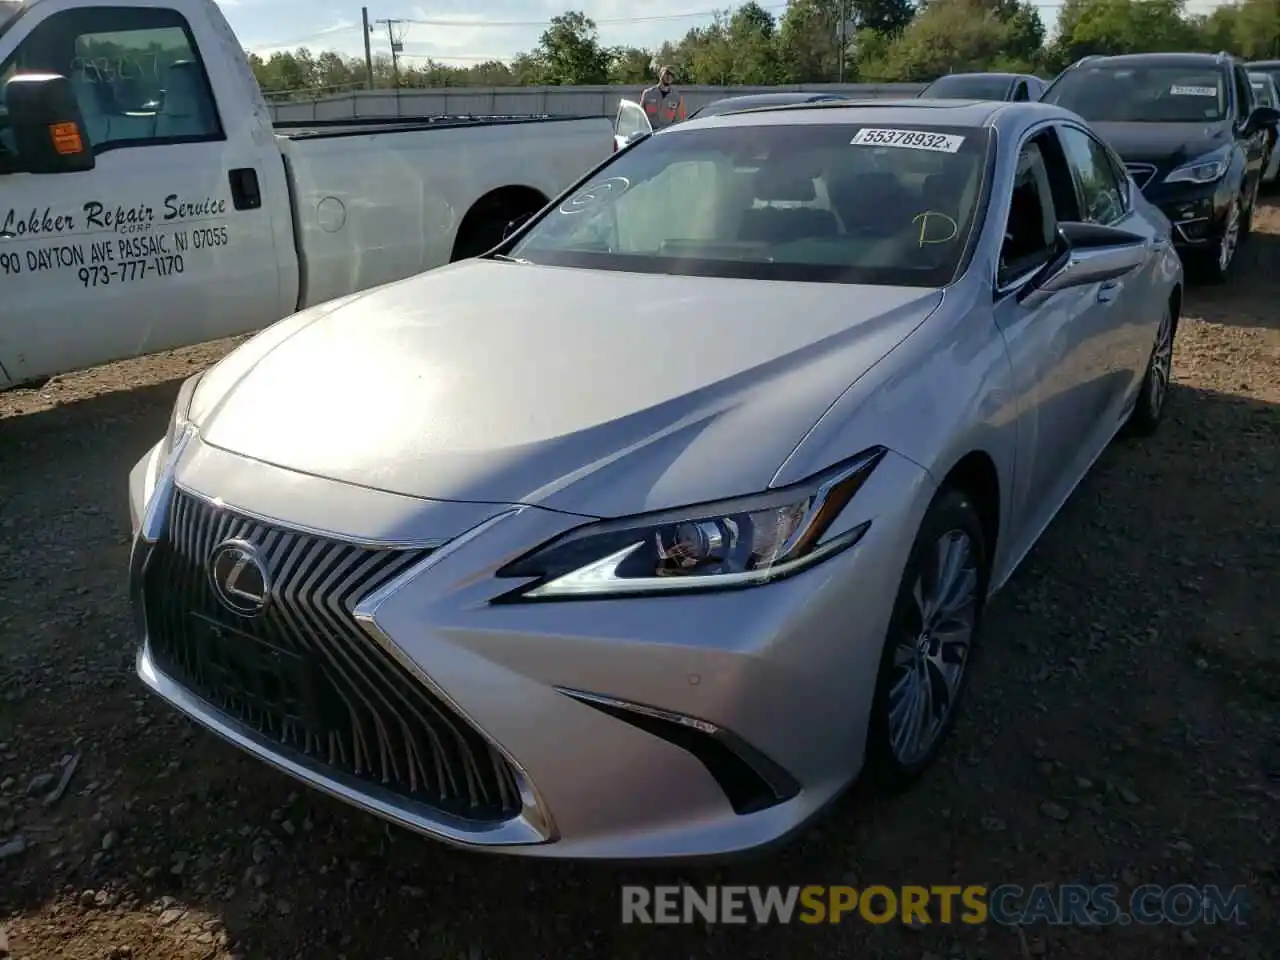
[936, 618]
[1153, 395]
[1214, 266]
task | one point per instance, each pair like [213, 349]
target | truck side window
[136, 73]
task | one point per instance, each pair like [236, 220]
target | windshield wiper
[506, 259]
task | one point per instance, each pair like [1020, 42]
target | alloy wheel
[1161, 364]
[930, 657]
[1230, 237]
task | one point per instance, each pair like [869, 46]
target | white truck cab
[148, 202]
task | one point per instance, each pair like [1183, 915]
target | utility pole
[368, 51]
[396, 47]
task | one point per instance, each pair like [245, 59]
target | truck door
[167, 241]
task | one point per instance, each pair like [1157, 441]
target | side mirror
[514, 225]
[1087, 253]
[1261, 118]
[48, 129]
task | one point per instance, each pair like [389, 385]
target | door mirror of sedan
[1086, 253]
[1260, 119]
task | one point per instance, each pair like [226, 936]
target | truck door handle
[1108, 291]
[245, 194]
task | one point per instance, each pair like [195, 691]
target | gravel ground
[1122, 724]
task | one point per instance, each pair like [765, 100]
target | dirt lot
[1123, 725]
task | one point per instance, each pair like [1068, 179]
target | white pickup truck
[148, 202]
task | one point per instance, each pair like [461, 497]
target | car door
[166, 241]
[1128, 322]
[630, 123]
[1053, 344]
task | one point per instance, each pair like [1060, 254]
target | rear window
[891, 204]
[969, 88]
[1156, 94]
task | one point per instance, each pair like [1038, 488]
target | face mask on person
[664, 84]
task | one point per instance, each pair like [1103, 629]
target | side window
[1032, 227]
[1020, 90]
[136, 73]
[1101, 193]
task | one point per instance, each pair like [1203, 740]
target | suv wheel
[1216, 264]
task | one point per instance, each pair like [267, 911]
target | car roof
[1263, 64]
[917, 112]
[1192, 60]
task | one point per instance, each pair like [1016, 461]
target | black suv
[1187, 128]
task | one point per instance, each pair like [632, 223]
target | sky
[453, 31]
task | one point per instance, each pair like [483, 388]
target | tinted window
[1156, 94]
[824, 203]
[1032, 226]
[1101, 195]
[135, 71]
[961, 87]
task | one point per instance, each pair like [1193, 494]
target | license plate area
[272, 688]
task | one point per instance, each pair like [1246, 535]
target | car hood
[590, 392]
[1166, 145]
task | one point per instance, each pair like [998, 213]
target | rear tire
[935, 623]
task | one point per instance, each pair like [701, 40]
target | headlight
[737, 543]
[179, 422]
[1205, 170]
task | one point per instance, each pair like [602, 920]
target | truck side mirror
[48, 128]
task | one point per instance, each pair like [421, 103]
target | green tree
[571, 52]
[949, 36]
[1257, 33]
[1106, 27]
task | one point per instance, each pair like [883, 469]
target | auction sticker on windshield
[909, 139]
[1179, 91]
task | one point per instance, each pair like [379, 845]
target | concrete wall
[556, 101]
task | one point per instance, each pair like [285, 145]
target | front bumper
[1198, 212]
[579, 702]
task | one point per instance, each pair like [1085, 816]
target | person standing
[663, 105]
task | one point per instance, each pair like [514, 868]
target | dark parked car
[1190, 134]
[754, 101]
[985, 86]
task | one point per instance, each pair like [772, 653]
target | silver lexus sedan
[643, 534]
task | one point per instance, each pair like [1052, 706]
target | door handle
[245, 194]
[1108, 291]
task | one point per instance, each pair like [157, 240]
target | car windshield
[1261, 89]
[1158, 94]
[838, 203]
[968, 88]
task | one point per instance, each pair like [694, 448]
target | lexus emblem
[239, 577]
